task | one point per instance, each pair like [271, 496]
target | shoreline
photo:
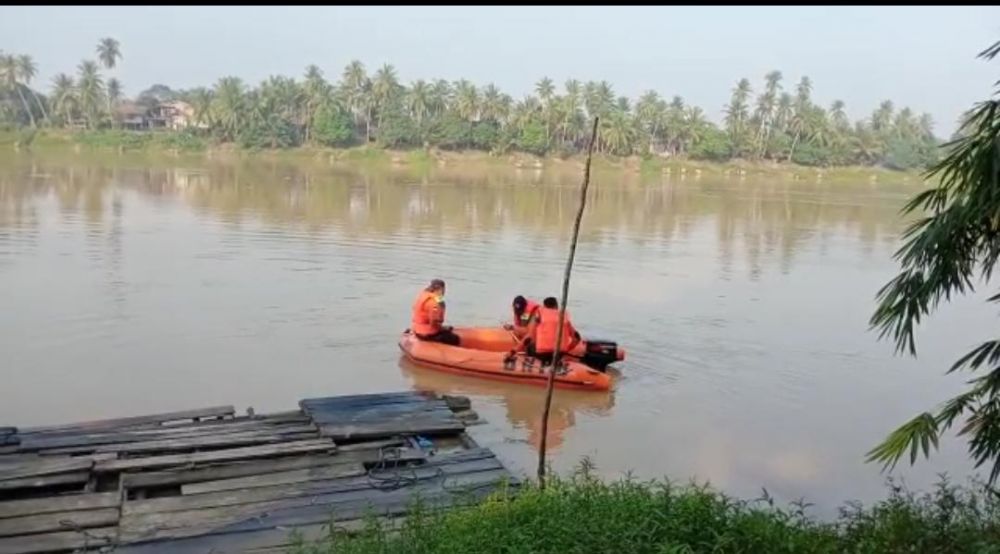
[177, 144]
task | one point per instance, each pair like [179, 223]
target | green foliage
[397, 130]
[113, 139]
[761, 123]
[583, 514]
[713, 146]
[532, 139]
[452, 133]
[332, 127]
[956, 242]
[810, 154]
[271, 133]
[902, 155]
[484, 135]
[185, 141]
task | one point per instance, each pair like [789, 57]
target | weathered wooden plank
[208, 441]
[63, 503]
[154, 419]
[45, 481]
[58, 542]
[10, 440]
[9, 449]
[305, 510]
[382, 429]
[345, 479]
[7, 431]
[365, 399]
[58, 521]
[247, 452]
[258, 469]
[227, 471]
[376, 415]
[76, 444]
[39, 467]
[294, 476]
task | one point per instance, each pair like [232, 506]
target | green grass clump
[586, 515]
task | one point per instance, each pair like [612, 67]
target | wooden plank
[8, 431]
[58, 521]
[58, 542]
[217, 472]
[227, 477]
[43, 466]
[295, 476]
[365, 399]
[304, 510]
[247, 452]
[345, 479]
[64, 503]
[45, 481]
[76, 444]
[231, 440]
[377, 415]
[154, 419]
[395, 427]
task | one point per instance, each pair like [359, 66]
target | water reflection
[521, 404]
[135, 285]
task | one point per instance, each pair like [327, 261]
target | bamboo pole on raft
[562, 307]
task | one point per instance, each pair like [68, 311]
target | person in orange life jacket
[545, 330]
[427, 321]
[525, 314]
[525, 311]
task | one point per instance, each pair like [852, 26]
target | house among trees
[174, 115]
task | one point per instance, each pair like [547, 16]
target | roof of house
[130, 109]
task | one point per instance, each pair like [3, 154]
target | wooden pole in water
[562, 307]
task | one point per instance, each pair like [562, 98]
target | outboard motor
[602, 353]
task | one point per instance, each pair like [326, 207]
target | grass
[649, 167]
[583, 515]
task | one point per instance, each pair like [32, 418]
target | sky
[922, 57]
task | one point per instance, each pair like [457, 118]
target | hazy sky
[923, 57]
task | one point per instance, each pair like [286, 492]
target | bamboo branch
[557, 355]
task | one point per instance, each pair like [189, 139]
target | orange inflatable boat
[486, 352]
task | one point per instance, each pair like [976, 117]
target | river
[134, 286]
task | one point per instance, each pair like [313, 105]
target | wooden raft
[209, 480]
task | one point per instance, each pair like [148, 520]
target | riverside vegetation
[770, 126]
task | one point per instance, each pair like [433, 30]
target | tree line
[770, 124]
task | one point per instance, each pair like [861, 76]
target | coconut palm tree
[545, 89]
[491, 103]
[764, 114]
[354, 87]
[466, 100]
[418, 100]
[10, 75]
[229, 106]
[738, 116]
[201, 104]
[385, 88]
[90, 92]
[64, 100]
[27, 69]
[109, 52]
[317, 92]
[114, 94]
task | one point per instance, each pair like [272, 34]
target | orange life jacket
[530, 311]
[545, 331]
[428, 314]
